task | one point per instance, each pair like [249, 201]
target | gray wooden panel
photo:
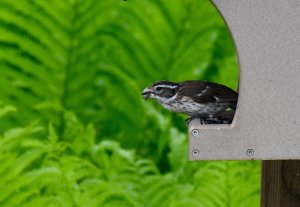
[267, 124]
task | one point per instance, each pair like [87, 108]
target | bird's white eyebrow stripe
[165, 86]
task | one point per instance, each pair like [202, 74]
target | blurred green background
[74, 128]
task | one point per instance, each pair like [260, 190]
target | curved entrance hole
[200, 48]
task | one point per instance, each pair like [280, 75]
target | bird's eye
[158, 88]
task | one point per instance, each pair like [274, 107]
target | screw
[250, 152]
[195, 153]
[195, 132]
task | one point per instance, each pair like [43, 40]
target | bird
[204, 100]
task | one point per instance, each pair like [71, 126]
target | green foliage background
[74, 129]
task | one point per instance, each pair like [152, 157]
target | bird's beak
[147, 93]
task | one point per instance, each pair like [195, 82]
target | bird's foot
[202, 120]
[223, 118]
[191, 118]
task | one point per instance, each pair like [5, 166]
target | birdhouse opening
[223, 70]
[203, 83]
[200, 80]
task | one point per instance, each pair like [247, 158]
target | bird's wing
[204, 92]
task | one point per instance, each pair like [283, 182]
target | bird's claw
[191, 118]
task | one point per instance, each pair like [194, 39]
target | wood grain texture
[280, 183]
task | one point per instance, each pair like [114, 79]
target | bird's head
[162, 91]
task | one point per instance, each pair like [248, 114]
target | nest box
[267, 122]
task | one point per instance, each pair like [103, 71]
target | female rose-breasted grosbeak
[198, 99]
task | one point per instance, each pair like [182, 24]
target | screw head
[195, 132]
[195, 153]
[250, 152]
